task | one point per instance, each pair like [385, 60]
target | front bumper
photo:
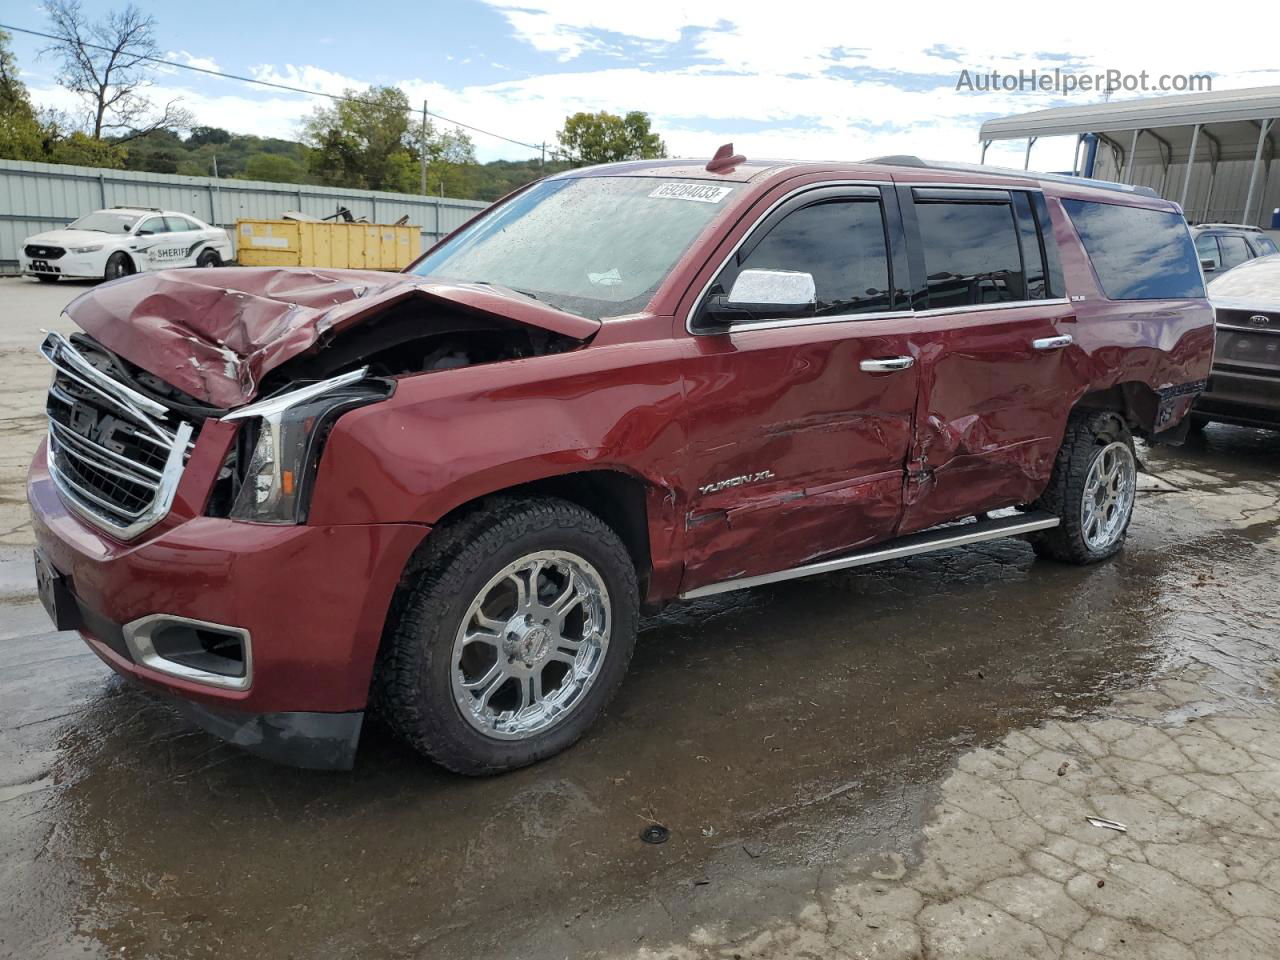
[1246, 398]
[313, 600]
[88, 266]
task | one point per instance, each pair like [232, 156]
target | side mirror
[765, 294]
[1208, 266]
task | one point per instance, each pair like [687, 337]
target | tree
[21, 134]
[199, 136]
[451, 157]
[606, 138]
[105, 62]
[275, 168]
[363, 141]
[368, 141]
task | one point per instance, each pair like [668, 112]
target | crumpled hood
[214, 333]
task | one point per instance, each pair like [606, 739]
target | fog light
[196, 650]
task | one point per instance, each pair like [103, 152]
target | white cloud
[813, 81]
[191, 60]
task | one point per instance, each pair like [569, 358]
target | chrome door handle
[885, 366]
[1053, 343]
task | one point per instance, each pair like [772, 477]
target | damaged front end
[277, 355]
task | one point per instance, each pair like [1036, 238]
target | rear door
[799, 425]
[185, 241]
[993, 341]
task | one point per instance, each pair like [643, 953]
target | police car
[123, 240]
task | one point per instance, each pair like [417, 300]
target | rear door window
[179, 224]
[1234, 250]
[972, 248]
[1137, 254]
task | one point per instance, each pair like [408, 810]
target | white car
[123, 240]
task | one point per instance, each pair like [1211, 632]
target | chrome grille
[115, 454]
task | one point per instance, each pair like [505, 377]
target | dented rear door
[999, 370]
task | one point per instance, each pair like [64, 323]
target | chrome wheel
[531, 644]
[1108, 496]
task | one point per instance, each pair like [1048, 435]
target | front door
[998, 369]
[800, 424]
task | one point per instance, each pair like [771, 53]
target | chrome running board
[926, 541]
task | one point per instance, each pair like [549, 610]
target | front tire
[118, 265]
[209, 258]
[509, 636]
[1092, 490]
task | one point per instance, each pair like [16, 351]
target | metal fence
[43, 196]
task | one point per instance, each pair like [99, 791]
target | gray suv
[1222, 246]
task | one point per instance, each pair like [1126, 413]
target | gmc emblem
[1258, 320]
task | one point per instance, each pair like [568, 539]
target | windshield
[594, 246]
[105, 221]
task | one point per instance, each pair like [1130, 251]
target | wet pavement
[862, 764]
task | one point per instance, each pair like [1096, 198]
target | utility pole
[542, 160]
[422, 148]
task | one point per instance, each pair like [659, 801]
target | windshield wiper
[503, 286]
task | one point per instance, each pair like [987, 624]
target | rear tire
[118, 265]
[487, 663]
[1092, 490]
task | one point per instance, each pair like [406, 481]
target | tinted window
[1264, 245]
[154, 225]
[178, 224]
[1234, 250]
[1032, 255]
[971, 253]
[1207, 250]
[840, 242]
[1137, 254]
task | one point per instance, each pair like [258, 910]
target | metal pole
[1128, 162]
[542, 159]
[422, 148]
[983, 158]
[1262, 194]
[1026, 160]
[1263, 129]
[1191, 159]
[1075, 156]
[1208, 199]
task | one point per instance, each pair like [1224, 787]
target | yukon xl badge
[735, 482]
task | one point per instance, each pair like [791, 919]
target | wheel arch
[1136, 402]
[618, 497]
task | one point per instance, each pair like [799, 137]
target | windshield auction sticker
[701, 192]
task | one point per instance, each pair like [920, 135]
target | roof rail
[1233, 226]
[134, 206]
[905, 160]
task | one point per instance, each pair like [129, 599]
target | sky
[801, 79]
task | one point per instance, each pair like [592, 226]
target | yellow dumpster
[303, 243]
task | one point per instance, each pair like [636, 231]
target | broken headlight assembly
[285, 436]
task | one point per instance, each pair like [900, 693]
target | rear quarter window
[1137, 254]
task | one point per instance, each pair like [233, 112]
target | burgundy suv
[286, 495]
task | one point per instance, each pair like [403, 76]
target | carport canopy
[1208, 127]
